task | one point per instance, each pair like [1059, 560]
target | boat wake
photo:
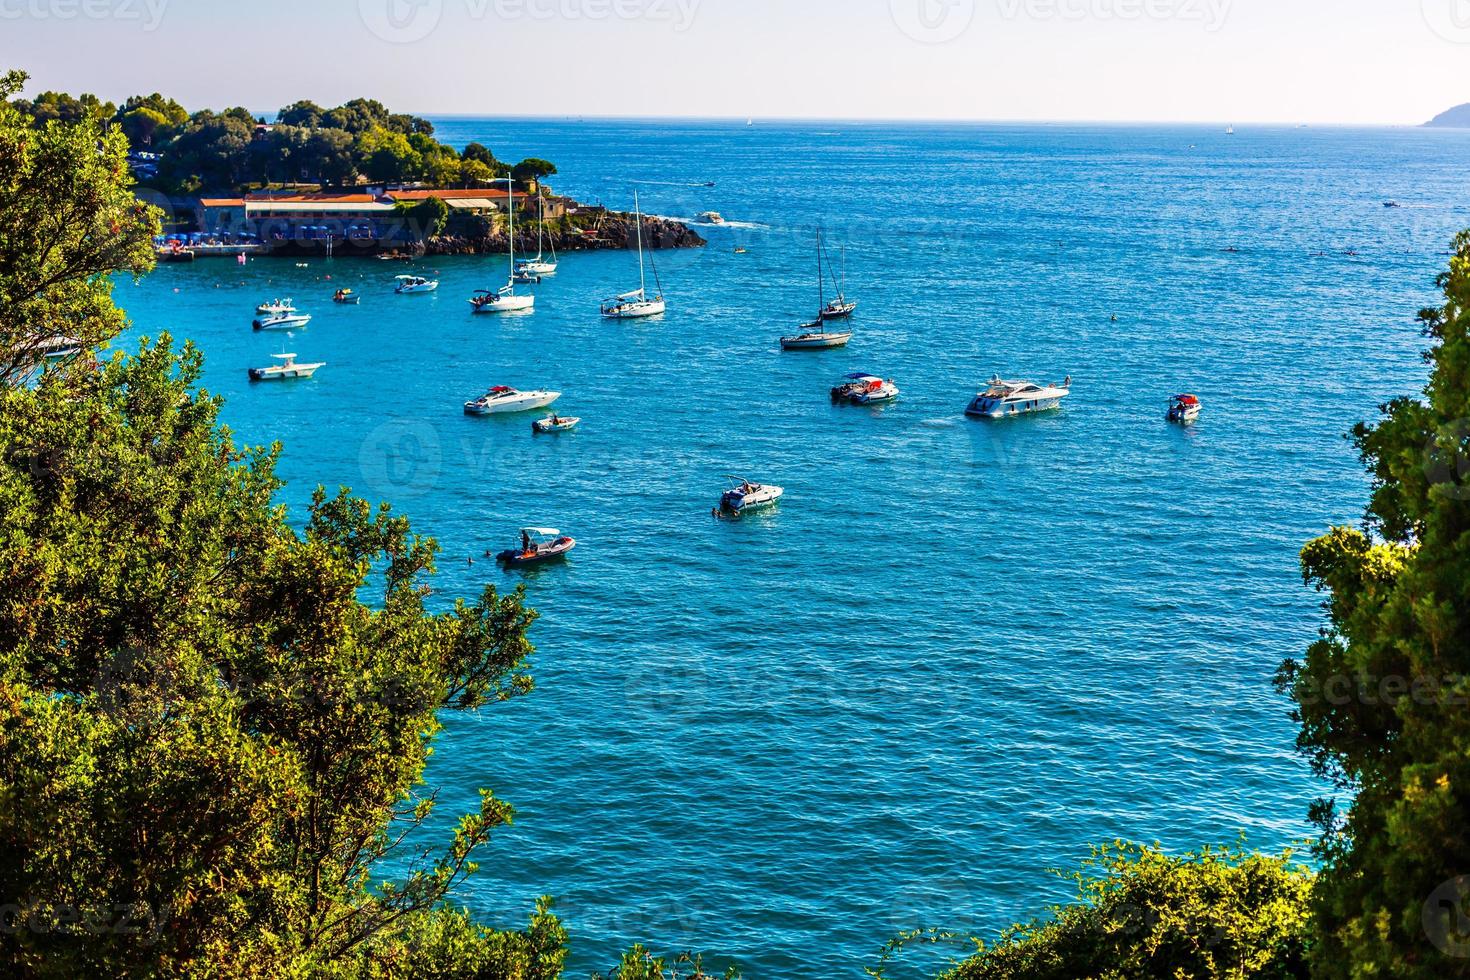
[674, 183]
[739, 225]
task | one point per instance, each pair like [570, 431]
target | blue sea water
[959, 652]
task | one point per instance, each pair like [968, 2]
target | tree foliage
[1144, 915]
[1382, 696]
[70, 219]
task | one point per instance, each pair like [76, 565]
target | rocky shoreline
[591, 232]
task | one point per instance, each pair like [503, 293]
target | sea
[960, 653]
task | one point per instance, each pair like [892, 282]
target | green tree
[69, 220]
[1144, 915]
[532, 170]
[201, 724]
[474, 173]
[388, 156]
[426, 218]
[1382, 695]
[478, 152]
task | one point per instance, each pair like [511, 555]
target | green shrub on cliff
[1383, 695]
[1144, 915]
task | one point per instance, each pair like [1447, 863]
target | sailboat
[812, 336]
[630, 306]
[505, 299]
[841, 306]
[539, 266]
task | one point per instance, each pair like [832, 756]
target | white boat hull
[508, 406]
[981, 408]
[284, 374]
[409, 290]
[761, 498]
[537, 268]
[506, 304]
[818, 341]
[282, 323]
[635, 310]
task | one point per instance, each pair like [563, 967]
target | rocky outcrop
[588, 230]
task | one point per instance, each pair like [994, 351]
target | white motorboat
[505, 299]
[288, 368]
[539, 266]
[712, 218]
[864, 389]
[500, 400]
[1005, 398]
[282, 321]
[414, 284]
[502, 300]
[1184, 408]
[554, 423]
[275, 307]
[744, 495]
[635, 304]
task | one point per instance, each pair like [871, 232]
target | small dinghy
[539, 545]
[554, 423]
[346, 296]
[744, 496]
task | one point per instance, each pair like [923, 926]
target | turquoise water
[959, 652]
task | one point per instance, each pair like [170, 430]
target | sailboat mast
[638, 212]
[821, 286]
[510, 205]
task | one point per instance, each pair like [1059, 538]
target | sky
[1395, 62]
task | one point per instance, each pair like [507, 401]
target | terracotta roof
[221, 202]
[450, 195]
[261, 198]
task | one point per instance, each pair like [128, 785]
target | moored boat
[636, 304]
[414, 284]
[539, 545]
[1184, 408]
[864, 389]
[275, 307]
[539, 266]
[347, 297]
[502, 300]
[1006, 398]
[282, 321]
[501, 399]
[813, 338]
[287, 369]
[744, 496]
[554, 423]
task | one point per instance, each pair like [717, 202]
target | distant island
[1456, 118]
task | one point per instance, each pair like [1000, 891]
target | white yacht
[538, 266]
[500, 400]
[505, 299]
[744, 495]
[415, 284]
[288, 368]
[282, 321]
[275, 307]
[712, 218]
[864, 389]
[635, 304]
[1004, 398]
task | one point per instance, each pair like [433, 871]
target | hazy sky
[1321, 61]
